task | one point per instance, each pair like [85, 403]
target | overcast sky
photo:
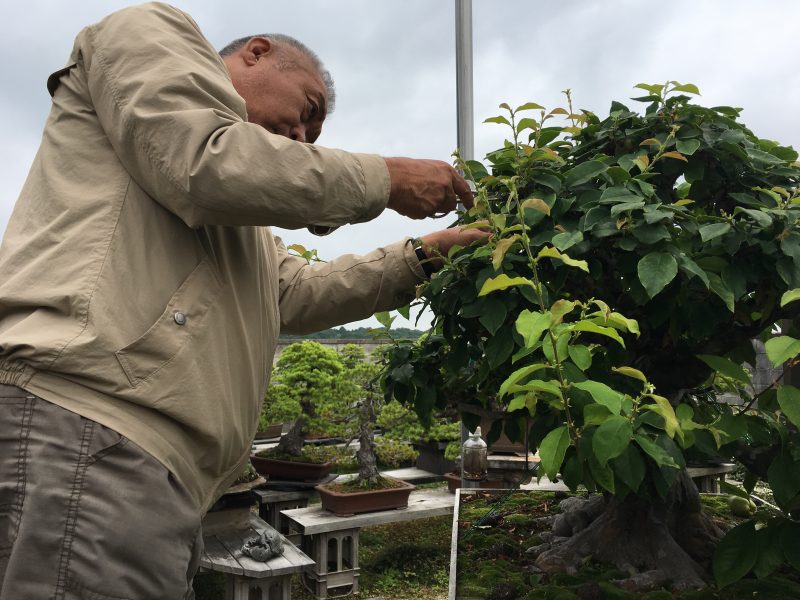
[394, 68]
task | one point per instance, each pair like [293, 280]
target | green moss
[612, 592]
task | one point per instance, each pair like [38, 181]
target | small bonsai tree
[632, 260]
[306, 387]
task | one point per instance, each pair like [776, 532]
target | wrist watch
[423, 258]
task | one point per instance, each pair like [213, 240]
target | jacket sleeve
[166, 102]
[321, 295]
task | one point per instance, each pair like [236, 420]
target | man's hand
[438, 243]
[424, 188]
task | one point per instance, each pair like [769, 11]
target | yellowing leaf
[650, 142]
[790, 296]
[502, 282]
[536, 204]
[558, 111]
[675, 155]
[500, 250]
[664, 408]
[642, 162]
[630, 372]
[550, 252]
[561, 308]
[683, 202]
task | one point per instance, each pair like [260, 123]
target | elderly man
[142, 292]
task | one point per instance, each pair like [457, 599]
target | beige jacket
[139, 284]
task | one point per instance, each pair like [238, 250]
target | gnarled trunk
[667, 542]
[365, 455]
[292, 441]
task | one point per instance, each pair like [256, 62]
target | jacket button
[180, 318]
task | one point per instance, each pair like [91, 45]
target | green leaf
[405, 311]
[384, 319]
[529, 106]
[498, 119]
[626, 206]
[493, 314]
[531, 325]
[781, 348]
[589, 327]
[790, 296]
[654, 89]
[784, 479]
[689, 88]
[714, 230]
[687, 265]
[602, 394]
[656, 270]
[629, 467]
[595, 414]
[502, 282]
[770, 553]
[552, 450]
[566, 240]
[687, 147]
[720, 288]
[789, 401]
[790, 544]
[584, 172]
[611, 439]
[726, 367]
[736, 554]
[581, 356]
[518, 375]
[656, 452]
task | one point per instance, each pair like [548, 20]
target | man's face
[281, 88]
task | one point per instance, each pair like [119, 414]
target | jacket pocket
[180, 322]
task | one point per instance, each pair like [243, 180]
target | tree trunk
[365, 455]
[656, 542]
[292, 441]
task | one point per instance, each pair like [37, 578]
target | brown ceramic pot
[350, 503]
[289, 470]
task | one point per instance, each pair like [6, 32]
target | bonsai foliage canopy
[633, 259]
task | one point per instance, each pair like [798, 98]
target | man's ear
[255, 49]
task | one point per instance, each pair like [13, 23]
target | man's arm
[164, 98]
[350, 288]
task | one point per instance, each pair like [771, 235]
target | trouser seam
[73, 505]
[22, 462]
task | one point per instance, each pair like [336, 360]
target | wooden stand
[249, 579]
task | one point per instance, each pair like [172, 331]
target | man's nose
[298, 133]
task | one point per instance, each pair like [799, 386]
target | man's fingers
[461, 188]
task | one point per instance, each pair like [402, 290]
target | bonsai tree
[633, 259]
[307, 388]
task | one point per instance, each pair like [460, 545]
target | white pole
[466, 131]
[464, 112]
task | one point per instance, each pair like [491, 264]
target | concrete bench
[707, 477]
[333, 541]
[249, 579]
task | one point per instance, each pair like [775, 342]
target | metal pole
[464, 112]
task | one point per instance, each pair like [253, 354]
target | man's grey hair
[285, 62]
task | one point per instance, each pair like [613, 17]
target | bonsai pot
[431, 457]
[269, 432]
[290, 470]
[454, 482]
[350, 503]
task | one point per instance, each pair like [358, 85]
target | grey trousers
[85, 513]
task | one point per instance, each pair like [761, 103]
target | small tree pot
[431, 457]
[270, 432]
[289, 470]
[345, 504]
[454, 482]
